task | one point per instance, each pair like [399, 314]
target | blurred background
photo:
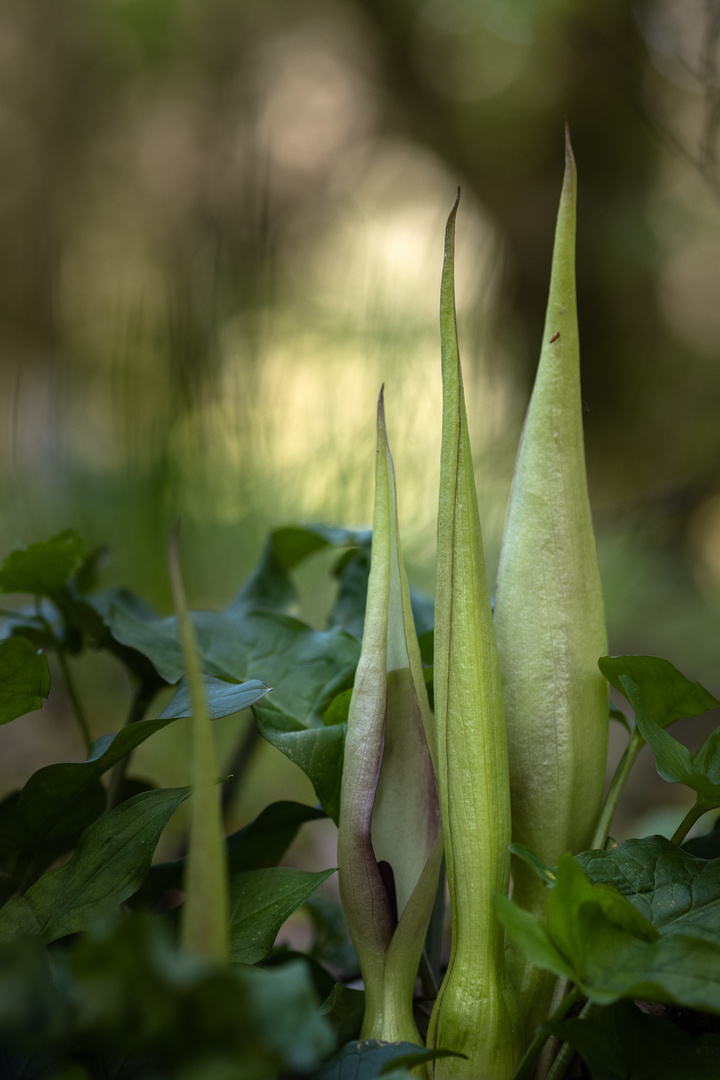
[221, 228]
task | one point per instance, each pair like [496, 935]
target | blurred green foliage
[220, 227]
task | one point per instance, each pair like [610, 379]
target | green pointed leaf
[223, 698]
[261, 843]
[674, 761]
[622, 1043]
[43, 568]
[110, 863]
[60, 837]
[260, 902]
[543, 871]
[597, 941]
[352, 571]
[317, 751]
[531, 935]
[52, 803]
[305, 667]
[270, 587]
[675, 890]
[265, 840]
[24, 678]
[667, 694]
[365, 1060]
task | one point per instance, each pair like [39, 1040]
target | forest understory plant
[442, 740]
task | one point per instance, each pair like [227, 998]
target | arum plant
[389, 840]
[204, 928]
[475, 1011]
[549, 616]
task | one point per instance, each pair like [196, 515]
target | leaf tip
[570, 169]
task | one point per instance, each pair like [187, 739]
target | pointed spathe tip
[570, 171]
[568, 144]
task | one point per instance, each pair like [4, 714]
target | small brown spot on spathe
[555, 336]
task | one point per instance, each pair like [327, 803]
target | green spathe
[549, 614]
[389, 810]
[475, 1011]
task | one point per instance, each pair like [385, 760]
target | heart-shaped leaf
[675, 763]
[667, 694]
[678, 892]
[603, 944]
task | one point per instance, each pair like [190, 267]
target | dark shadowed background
[221, 228]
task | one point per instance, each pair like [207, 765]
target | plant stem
[143, 695]
[528, 1058]
[633, 748]
[238, 765]
[694, 814]
[562, 1062]
[76, 703]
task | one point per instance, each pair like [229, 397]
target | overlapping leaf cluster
[111, 965]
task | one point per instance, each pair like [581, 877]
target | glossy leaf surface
[679, 893]
[223, 698]
[260, 902]
[600, 941]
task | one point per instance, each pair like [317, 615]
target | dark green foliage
[260, 844]
[609, 950]
[24, 679]
[367, 1059]
[93, 986]
[126, 993]
[260, 902]
[43, 569]
[675, 890]
[344, 1009]
[622, 1043]
[110, 863]
[667, 694]
[223, 698]
[60, 799]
